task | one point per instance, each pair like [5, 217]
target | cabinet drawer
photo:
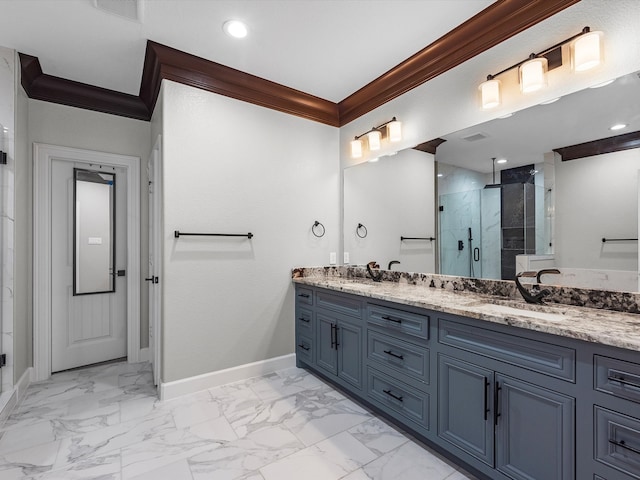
[339, 303]
[304, 321]
[304, 348]
[399, 356]
[304, 296]
[617, 441]
[617, 377]
[399, 320]
[409, 403]
[541, 357]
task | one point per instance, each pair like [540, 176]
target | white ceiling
[328, 48]
[526, 136]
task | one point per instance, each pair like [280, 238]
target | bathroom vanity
[508, 390]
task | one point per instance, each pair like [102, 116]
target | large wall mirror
[94, 232]
[549, 212]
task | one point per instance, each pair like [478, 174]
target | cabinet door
[535, 436]
[326, 355]
[465, 398]
[350, 353]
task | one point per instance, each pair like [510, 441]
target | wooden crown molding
[498, 22]
[40, 86]
[167, 63]
[430, 146]
[617, 143]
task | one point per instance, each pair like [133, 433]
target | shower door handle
[476, 254]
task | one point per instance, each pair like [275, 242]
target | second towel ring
[361, 227]
[315, 225]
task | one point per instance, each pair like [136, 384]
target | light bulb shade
[587, 51]
[533, 75]
[356, 148]
[490, 93]
[394, 131]
[374, 137]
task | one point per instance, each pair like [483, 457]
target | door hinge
[3, 360]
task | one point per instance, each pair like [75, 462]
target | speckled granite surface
[491, 300]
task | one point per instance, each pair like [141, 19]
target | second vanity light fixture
[586, 53]
[393, 133]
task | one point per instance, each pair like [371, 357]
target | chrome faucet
[535, 295]
[393, 262]
[377, 275]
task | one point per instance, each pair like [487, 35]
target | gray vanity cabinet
[339, 347]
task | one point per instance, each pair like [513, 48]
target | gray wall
[73, 127]
[234, 167]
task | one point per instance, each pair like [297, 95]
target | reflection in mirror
[576, 203]
[551, 213]
[94, 220]
[391, 198]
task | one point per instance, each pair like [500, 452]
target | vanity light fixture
[586, 53]
[375, 136]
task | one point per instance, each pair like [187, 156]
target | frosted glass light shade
[490, 93]
[394, 131]
[356, 148]
[533, 75]
[587, 51]
[374, 139]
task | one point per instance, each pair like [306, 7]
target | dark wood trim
[40, 86]
[625, 141]
[495, 24]
[431, 146]
[167, 63]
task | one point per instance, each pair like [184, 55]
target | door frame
[155, 252]
[43, 155]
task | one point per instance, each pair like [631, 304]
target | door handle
[152, 279]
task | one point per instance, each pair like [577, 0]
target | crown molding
[48, 88]
[493, 25]
[626, 141]
[498, 22]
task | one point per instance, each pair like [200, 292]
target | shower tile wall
[491, 233]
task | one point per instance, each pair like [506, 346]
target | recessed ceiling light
[506, 116]
[603, 84]
[618, 126]
[553, 100]
[502, 160]
[235, 28]
[440, 175]
[374, 159]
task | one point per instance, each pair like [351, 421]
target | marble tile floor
[105, 422]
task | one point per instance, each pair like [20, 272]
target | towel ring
[361, 227]
[315, 225]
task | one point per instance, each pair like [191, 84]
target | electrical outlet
[332, 258]
[346, 258]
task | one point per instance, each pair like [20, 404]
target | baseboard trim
[197, 383]
[11, 399]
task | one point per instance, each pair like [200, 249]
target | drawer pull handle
[389, 352]
[302, 319]
[625, 446]
[623, 381]
[391, 319]
[304, 295]
[304, 347]
[390, 393]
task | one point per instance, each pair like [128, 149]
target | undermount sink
[521, 312]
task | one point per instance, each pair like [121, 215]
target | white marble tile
[377, 436]
[242, 458]
[27, 437]
[330, 459]
[408, 462]
[459, 475]
[29, 462]
[174, 446]
[263, 415]
[285, 383]
[176, 471]
[101, 467]
[322, 415]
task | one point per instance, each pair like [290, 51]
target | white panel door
[85, 329]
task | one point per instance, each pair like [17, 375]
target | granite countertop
[589, 324]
